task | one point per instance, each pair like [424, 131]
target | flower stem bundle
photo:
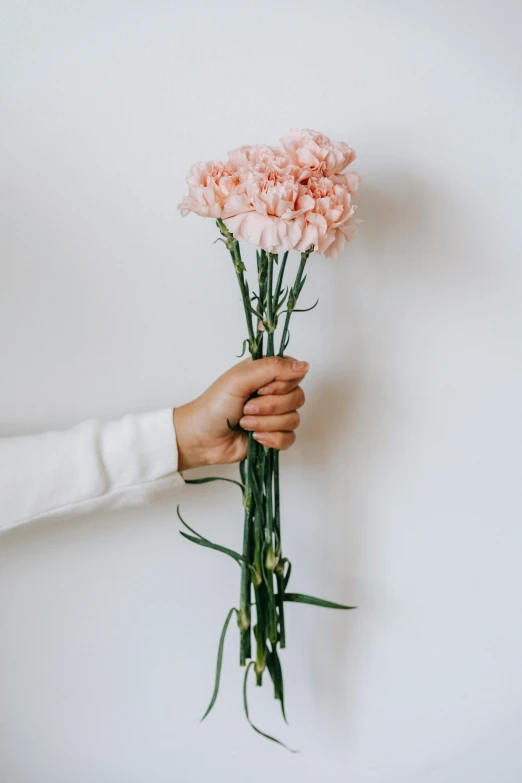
[293, 197]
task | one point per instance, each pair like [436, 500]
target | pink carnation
[279, 198]
[314, 152]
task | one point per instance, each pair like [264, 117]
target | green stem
[270, 561]
[279, 553]
[292, 299]
[279, 284]
[244, 619]
[262, 525]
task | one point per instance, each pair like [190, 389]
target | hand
[203, 435]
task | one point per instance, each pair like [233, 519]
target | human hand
[203, 435]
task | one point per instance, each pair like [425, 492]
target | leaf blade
[245, 705]
[217, 547]
[188, 526]
[208, 479]
[219, 662]
[300, 598]
[307, 309]
[276, 673]
[287, 575]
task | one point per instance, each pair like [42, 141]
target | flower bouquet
[297, 196]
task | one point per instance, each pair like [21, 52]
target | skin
[201, 425]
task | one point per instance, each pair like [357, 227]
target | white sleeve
[91, 466]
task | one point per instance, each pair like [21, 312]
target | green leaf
[208, 479]
[206, 543]
[281, 300]
[287, 575]
[276, 673]
[301, 285]
[188, 526]
[307, 309]
[245, 704]
[299, 598]
[219, 662]
[245, 345]
[256, 312]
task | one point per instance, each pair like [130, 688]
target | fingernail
[247, 422]
[251, 407]
[261, 437]
[300, 366]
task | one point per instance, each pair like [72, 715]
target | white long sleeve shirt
[91, 466]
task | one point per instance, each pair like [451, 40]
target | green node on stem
[243, 619]
[271, 559]
[256, 577]
[280, 567]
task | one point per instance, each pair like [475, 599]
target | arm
[131, 461]
[88, 467]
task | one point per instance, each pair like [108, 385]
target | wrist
[191, 454]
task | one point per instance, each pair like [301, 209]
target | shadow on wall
[410, 239]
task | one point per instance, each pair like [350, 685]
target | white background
[402, 494]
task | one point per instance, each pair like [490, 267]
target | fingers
[288, 422]
[275, 405]
[279, 387]
[276, 420]
[276, 440]
[250, 376]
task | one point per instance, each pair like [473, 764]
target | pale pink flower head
[210, 185]
[316, 153]
[279, 198]
[330, 223]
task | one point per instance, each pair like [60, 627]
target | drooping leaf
[276, 673]
[206, 543]
[219, 662]
[299, 598]
[188, 526]
[208, 479]
[245, 704]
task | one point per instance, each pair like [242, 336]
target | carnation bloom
[279, 198]
[315, 152]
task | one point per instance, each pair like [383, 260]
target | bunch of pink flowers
[281, 198]
[294, 197]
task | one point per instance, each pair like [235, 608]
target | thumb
[249, 376]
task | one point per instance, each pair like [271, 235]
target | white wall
[403, 492]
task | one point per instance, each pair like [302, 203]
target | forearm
[91, 466]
